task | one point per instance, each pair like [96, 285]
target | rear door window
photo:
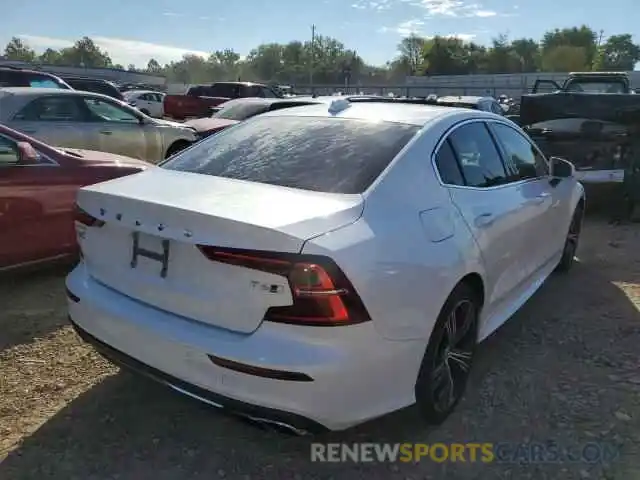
[65, 108]
[331, 155]
[478, 155]
[447, 165]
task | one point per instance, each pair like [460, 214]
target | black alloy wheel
[447, 362]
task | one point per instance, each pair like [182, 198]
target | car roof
[67, 78]
[140, 92]
[384, 111]
[37, 91]
[25, 70]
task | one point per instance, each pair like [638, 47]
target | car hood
[93, 157]
[207, 124]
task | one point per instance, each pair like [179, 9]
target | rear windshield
[332, 155]
[595, 86]
[241, 110]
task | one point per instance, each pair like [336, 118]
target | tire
[571, 241]
[176, 147]
[447, 361]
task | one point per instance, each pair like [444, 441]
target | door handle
[484, 219]
[105, 132]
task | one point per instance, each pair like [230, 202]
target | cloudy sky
[134, 31]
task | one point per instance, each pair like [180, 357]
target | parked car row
[150, 103]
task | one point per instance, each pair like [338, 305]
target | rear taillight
[322, 294]
[86, 219]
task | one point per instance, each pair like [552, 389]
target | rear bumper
[231, 406]
[346, 375]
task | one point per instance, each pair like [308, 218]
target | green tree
[618, 53]
[446, 56]
[17, 50]
[411, 51]
[581, 37]
[153, 66]
[501, 57]
[50, 57]
[565, 58]
[331, 62]
[85, 53]
[266, 61]
[527, 52]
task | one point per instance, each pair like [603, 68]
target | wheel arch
[474, 280]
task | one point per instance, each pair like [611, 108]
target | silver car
[76, 119]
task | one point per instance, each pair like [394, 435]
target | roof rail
[12, 67]
[410, 101]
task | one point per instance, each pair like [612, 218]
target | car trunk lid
[148, 247]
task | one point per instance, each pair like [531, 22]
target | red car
[199, 99]
[38, 185]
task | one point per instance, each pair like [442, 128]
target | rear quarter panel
[409, 249]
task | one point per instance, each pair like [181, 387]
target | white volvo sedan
[320, 266]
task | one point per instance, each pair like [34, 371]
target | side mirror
[561, 168]
[27, 155]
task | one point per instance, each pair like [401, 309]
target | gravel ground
[564, 369]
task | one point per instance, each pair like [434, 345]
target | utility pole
[313, 42]
[598, 43]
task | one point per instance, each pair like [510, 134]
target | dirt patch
[565, 369]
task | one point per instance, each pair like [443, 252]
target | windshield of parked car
[332, 155]
[241, 110]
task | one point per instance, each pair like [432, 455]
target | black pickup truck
[593, 120]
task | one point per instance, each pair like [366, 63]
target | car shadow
[33, 303]
[555, 371]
